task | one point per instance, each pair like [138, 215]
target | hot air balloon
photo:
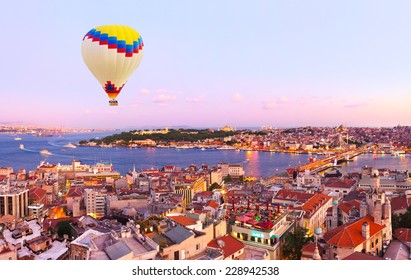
[112, 53]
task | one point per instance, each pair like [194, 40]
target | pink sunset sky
[208, 64]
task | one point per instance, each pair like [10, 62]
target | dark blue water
[258, 164]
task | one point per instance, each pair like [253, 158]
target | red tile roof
[338, 183]
[350, 235]
[229, 245]
[293, 195]
[403, 234]
[312, 205]
[37, 193]
[183, 220]
[399, 203]
[308, 250]
[361, 256]
[212, 204]
[74, 192]
[348, 205]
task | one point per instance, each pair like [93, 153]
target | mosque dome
[318, 231]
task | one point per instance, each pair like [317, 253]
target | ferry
[69, 145]
[398, 153]
[45, 152]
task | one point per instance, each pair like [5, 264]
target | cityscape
[83, 211]
[205, 138]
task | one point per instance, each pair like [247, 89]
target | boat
[45, 152]
[17, 138]
[69, 145]
[21, 146]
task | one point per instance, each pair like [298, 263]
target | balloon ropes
[112, 53]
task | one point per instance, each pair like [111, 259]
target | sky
[212, 63]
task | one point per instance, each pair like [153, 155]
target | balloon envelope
[112, 53]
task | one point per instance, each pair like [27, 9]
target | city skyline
[208, 64]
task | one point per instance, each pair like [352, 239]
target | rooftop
[350, 235]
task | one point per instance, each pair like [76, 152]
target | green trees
[294, 242]
[402, 220]
[63, 228]
[190, 135]
[215, 186]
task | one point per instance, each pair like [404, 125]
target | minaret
[375, 180]
[317, 234]
[316, 255]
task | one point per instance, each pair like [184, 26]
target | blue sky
[212, 63]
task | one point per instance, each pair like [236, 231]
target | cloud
[237, 98]
[269, 105]
[163, 98]
[196, 100]
[110, 112]
[282, 100]
[355, 105]
[145, 91]
[161, 91]
[135, 104]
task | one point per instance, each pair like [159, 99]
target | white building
[95, 201]
[308, 180]
[234, 170]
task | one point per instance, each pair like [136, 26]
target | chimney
[366, 230]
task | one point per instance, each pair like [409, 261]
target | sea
[24, 151]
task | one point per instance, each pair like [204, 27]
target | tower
[377, 213]
[387, 220]
[379, 206]
[334, 221]
[363, 209]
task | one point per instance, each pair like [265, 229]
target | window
[198, 247]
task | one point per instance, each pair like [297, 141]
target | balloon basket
[113, 103]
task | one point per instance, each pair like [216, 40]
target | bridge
[330, 161]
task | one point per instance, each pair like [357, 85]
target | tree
[402, 220]
[63, 228]
[294, 242]
[227, 179]
[215, 186]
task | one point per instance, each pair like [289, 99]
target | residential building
[216, 176]
[234, 170]
[14, 201]
[363, 235]
[232, 248]
[181, 243]
[265, 234]
[7, 251]
[129, 245]
[307, 180]
[315, 212]
[342, 186]
[95, 201]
